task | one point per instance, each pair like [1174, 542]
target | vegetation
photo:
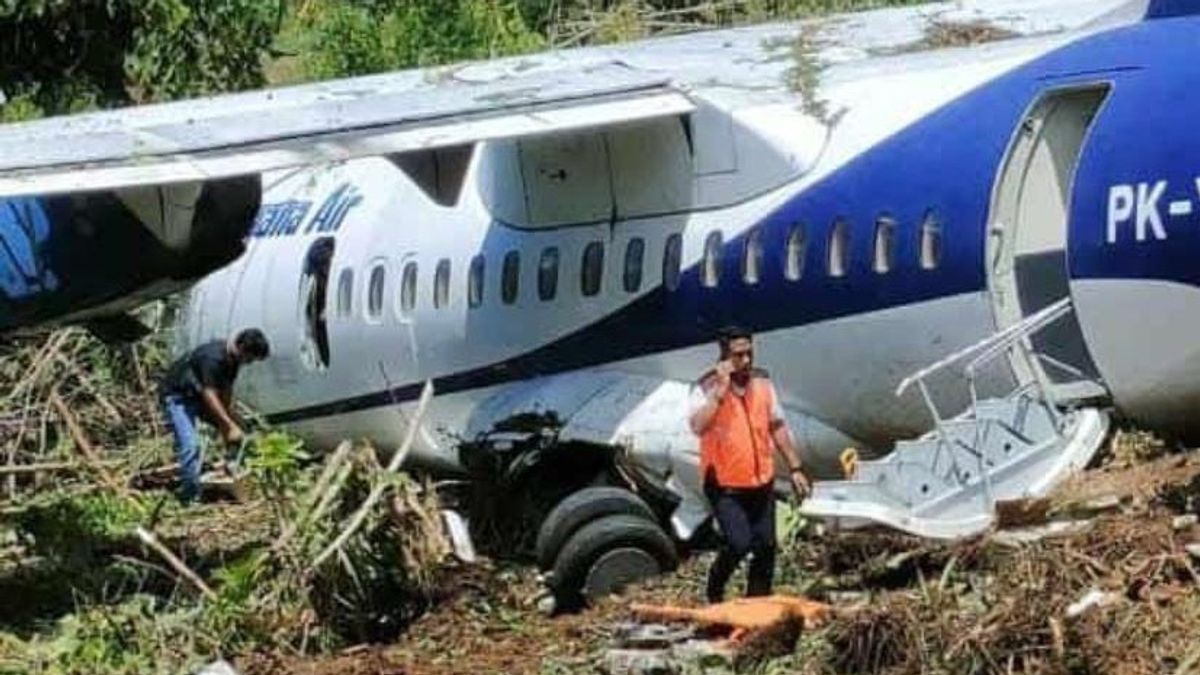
[125, 612]
[79, 591]
[339, 39]
[63, 56]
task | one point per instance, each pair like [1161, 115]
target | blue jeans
[181, 413]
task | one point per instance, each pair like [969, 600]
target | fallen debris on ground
[1115, 592]
[1110, 589]
[733, 634]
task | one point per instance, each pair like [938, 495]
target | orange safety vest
[737, 447]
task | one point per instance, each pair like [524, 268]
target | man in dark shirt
[200, 385]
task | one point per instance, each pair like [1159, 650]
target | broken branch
[376, 493]
[92, 459]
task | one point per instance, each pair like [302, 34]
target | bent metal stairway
[946, 483]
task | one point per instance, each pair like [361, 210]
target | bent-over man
[200, 385]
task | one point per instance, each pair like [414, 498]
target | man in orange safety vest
[737, 416]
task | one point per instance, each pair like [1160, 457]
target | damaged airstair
[946, 483]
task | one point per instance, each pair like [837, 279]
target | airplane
[102, 212]
[553, 241]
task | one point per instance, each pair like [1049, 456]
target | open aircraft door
[1027, 248]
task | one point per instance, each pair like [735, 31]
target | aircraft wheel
[607, 554]
[580, 508]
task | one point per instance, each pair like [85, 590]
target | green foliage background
[59, 56]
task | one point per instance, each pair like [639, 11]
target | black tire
[603, 536]
[580, 508]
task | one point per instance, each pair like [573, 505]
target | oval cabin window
[712, 260]
[672, 261]
[441, 284]
[885, 245]
[753, 257]
[375, 291]
[408, 288]
[548, 274]
[635, 251]
[795, 253]
[839, 248]
[475, 281]
[345, 293]
[931, 242]
[510, 277]
[592, 271]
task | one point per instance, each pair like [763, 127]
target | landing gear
[594, 535]
[619, 544]
[580, 508]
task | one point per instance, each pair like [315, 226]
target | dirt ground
[903, 606]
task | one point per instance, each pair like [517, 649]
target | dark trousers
[747, 521]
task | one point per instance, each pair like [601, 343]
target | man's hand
[801, 484]
[703, 416]
[724, 372]
[233, 435]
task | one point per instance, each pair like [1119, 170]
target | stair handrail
[995, 343]
[1027, 328]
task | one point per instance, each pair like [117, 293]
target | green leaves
[180, 49]
[62, 56]
[79, 527]
[342, 38]
[275, 461]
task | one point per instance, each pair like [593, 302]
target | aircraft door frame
[1027, 235]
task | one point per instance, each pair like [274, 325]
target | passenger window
[345, 293]
[475, 281]
[510, 281]
[752, 258]
[672, 259]
[441, 284]
[375, 291]
[712, 260]
[408, 288]
[795, 253]
[839, 245]
[592, 271]
[885, 245]
[548, 274]
[931, 241]
[635, 251]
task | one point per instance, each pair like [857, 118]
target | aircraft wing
[243, 134]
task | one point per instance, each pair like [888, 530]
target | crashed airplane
[961, 261]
